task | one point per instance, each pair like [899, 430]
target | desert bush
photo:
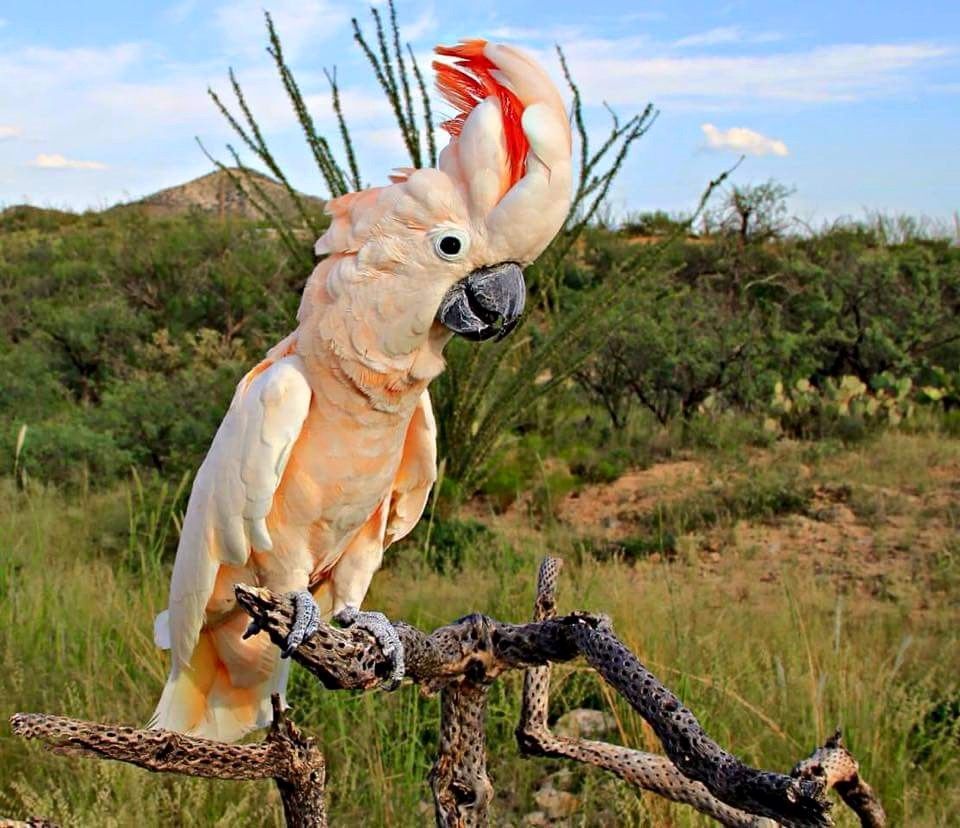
[654, 223]
[750, 213]
[122, 337]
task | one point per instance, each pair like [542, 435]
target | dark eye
[450, 245]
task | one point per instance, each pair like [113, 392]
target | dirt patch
[609, 510]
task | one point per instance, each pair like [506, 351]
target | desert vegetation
[742, 435]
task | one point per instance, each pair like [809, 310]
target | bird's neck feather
[380, 363]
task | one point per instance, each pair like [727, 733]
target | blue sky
[856, 105]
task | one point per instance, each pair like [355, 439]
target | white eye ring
[451, 244]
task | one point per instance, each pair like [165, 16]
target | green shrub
[68, 452]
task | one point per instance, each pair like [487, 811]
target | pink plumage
[328, 451]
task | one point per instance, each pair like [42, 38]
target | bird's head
[441, 251]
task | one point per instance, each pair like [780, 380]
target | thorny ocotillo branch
[461, 660]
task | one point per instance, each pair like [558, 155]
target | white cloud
[300, 23]
[7, 131]
[726, 34]
[413, 31]
[743, 140]
[607, 70]
[56, 161]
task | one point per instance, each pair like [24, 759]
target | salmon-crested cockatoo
[328, 451]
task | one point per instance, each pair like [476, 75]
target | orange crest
[471, 81]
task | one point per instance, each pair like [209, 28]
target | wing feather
[416, 475]
[233, 491]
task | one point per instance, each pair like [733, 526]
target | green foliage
[122, 338]
[718, 325]
[938, 732]
[654, 223]
[155, 516]
[66, 451]
[446, 542]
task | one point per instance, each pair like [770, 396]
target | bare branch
[835, 765]
[649, 771]
[461, 660]
[461, 788]
[286, 756]
[477, 649]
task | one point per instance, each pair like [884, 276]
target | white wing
[233, 493]
[416, 474]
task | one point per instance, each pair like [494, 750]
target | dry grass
[775, 626]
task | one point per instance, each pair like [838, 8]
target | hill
[26, 216]
[216, 194]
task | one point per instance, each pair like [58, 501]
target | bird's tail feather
[205, 699]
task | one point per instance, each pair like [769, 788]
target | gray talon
[379, 626]
[306, 621]
[252, 629]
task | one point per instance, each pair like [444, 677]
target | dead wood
[832, 766]
[288, 757]
[475, 650]
[460, 661]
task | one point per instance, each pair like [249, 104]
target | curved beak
[488, 303]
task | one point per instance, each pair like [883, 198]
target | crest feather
[471, 80]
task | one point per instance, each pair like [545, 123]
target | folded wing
[233, 493]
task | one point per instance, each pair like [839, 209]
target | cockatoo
[327, 453]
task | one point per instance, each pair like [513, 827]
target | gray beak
[488, 303]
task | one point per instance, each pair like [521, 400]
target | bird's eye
[451, 244]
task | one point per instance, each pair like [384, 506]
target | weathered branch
[461, 660]
[649, 771]
[476, 649]
[461, 788]
[292, 760]
[835, 765]
[832, 765]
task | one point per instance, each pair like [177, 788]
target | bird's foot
[306, 621]
[379, 626]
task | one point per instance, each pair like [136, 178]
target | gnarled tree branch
[288, 757]
[461, 660]
[476, 649]
[831, 765]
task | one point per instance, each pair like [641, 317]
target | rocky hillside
[216, 193]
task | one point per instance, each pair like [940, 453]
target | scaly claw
[379, 626]
[306, 621]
